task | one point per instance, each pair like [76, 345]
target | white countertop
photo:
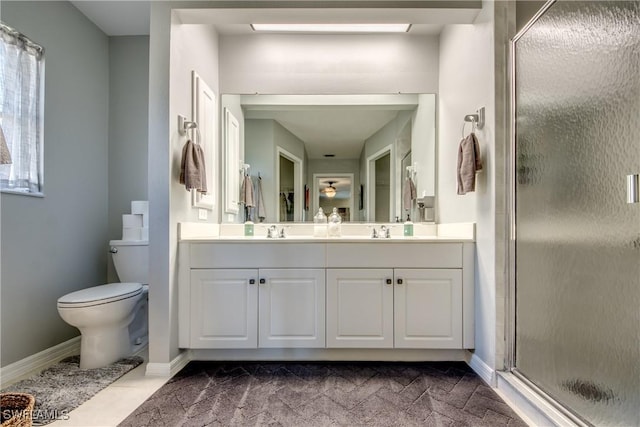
[302, 233]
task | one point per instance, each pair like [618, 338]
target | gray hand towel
[201, 168]
[192, 169]
[408, 194]
[247, 192]
[469, 163]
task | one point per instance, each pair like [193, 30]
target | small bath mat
[63, 387]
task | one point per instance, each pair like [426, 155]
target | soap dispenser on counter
[408, 227]
[335, 221]
[320, 224]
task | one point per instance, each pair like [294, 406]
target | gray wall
[260, 154]
[56, 244]
[128, 130]
[262, 139]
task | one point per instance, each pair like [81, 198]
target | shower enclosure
[576, 228]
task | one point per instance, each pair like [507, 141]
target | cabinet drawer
[257, 255]
[394, 255]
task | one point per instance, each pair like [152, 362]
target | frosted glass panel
[578, 241]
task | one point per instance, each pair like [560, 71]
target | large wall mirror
[351, 152]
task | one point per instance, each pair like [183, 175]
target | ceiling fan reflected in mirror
[329, 191]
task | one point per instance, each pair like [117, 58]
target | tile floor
[112, 405]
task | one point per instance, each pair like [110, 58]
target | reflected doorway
[380, 167]
[334, 191]
[290, 196]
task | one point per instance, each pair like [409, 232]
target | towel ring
[473, 126]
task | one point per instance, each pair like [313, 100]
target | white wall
[128, 129]
[175, 50]
[58, 244]
[466, 83]
[327, 64]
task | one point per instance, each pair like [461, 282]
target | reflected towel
[247, 192]
[408, 194]
[469, 163]
[192, 168]
[259, 196]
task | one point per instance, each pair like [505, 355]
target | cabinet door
[428, 308]
[292, 308]
[360, 308]
[224, 306]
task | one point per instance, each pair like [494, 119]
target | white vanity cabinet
[225, 304]
[326, 295]
[251, 308]
[291, 308]
[427, 308]
[360, 308]
[223, 308]
[394, 308]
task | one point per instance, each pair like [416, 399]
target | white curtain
[21, 78]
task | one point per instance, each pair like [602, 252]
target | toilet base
[100, 347]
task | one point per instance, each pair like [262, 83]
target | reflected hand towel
[247, 192]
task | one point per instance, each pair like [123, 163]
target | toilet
[112, 318]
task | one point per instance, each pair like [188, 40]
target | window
[21, 112]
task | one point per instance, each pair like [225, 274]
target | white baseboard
[483, 370]
[169, 369]
[39, 361]
[532, 408]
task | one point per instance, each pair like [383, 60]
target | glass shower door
[577, 248]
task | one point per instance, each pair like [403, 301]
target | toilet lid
[102, 294]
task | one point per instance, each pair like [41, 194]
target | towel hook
[184, 125]
[476, 120]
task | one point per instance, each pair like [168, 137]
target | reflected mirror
[351, 152]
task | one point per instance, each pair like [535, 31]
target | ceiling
[118, 18]
[338, 130]
[121, 18]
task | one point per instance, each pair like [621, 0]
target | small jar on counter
[335, 221]
[320, 224]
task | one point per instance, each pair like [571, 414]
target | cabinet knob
[399, 281]
[389, 281]
[252, 281]
[263, 281]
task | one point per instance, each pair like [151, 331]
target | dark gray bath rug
[324, 394]
[63, 387]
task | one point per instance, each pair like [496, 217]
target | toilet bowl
[112, 318]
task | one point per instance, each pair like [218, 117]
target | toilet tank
[131, 260]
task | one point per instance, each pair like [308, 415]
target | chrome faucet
[385, 232]
[273, 233]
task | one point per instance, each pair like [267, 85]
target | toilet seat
[98, 295]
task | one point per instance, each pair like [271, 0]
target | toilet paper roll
[132, 220]
[140, 207]
[133, 233]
